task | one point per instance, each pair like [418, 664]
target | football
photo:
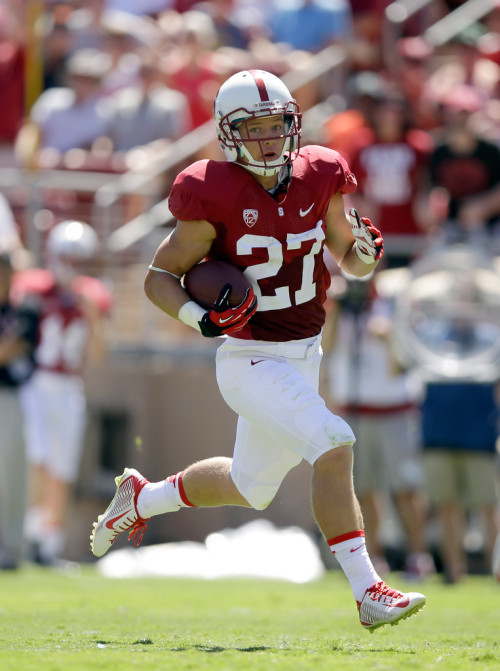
[204, 283]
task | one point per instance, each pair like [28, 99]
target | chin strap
[284, 179]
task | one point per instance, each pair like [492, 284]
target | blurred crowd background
[408, 92]
[103, 102]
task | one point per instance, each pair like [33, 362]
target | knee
[337, 461]
[257, 500]
[260, 505]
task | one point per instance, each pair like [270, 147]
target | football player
[72, 307]
[269, 209]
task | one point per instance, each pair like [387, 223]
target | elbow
[149, 285]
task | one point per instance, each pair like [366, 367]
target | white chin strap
[263, 172]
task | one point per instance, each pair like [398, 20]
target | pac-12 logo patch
[250, 217]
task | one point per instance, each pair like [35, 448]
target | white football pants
[273, 387]
[55, 417]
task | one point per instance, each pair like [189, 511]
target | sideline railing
[452, 24]
[436, 34]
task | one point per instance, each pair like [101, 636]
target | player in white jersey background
[72, 308]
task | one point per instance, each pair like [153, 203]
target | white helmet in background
[73, 239]
[253, 94]
[70, 243]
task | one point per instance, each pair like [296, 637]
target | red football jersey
[63, 328]
[278, 243]
[388, 175]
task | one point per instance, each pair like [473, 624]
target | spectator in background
[57, 47]
[484, 207]
[72, 307]
[368, 387]
[460, 428]
[70, 117]
[148, 112]
[122, 36]
[489, 42]
[193, 67]
[413, 63]
[86, 27]
[140, 7]
[448, 329]
[230, 32]
[18, 331]
[464, 171]
[391, 164]
[311, 25]
[365, 49]
[214, 40]
[461, 63]
[121, 43]
[345, 130]
[12, 81]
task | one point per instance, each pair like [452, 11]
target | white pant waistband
[291, 349]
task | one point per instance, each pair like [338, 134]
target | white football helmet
[73, 239]
[70, 243]
[252, 94]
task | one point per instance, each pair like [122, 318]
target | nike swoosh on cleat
[304, 212]
[252, 362]
[110, 523]
[402, 604]
[355, 549]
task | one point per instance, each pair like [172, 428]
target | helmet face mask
[250, 95]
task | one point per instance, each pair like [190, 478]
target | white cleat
[121, 514]
[383, 605]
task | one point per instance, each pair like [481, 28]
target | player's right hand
[223, 319]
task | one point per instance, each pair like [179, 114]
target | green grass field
[51, 620]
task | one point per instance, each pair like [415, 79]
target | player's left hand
[223, 319]
[369, 240]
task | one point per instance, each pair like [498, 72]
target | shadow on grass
[220, 648]
[185, 648]
[351, 648]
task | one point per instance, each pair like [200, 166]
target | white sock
[166, 496]
[52, 544]
[350, 552]
[33, 524]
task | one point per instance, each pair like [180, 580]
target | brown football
[204, 282]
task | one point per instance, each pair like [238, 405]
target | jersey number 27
[270, 268]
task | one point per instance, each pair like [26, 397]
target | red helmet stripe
[261, 86]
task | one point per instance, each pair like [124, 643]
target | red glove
[222, 319]
[369, 240]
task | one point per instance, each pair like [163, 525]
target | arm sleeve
[330, 165]
[184, 201]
